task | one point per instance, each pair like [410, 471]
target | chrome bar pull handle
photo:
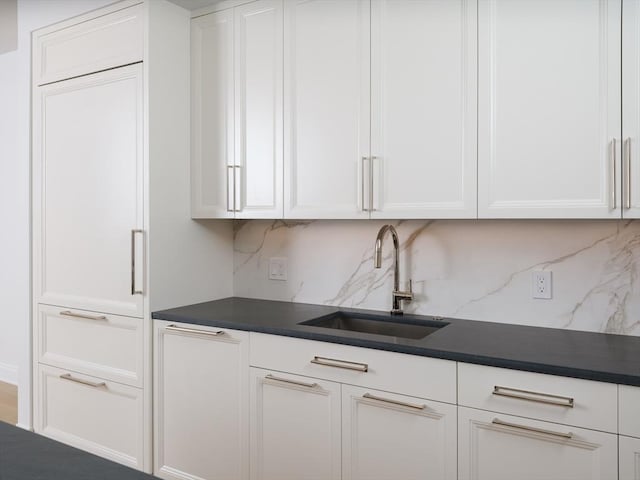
[333, 362]
[292, 382]
[614, 193]
[627, 173]
[414, 406]
[237, 184]
[371, 207]
[67, 376]
[230, 173]
[69, 313]
[175, 328]
[134, 291]
[363, 183]
[497, 421]
[530, 396]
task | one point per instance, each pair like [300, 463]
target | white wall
[478, 270]
[15, 191]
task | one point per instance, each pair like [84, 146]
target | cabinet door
[258, 104]
[629, 458]
[88, 191]
[423, 107]
[549, 109]
[631, 108]
[326, 108]
[493, 446]
[201, 399]
[295, 427]
[393, 436]
[212, 116]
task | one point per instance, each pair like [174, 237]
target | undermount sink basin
[378, 325]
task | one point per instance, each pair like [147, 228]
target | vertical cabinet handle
[371, 209]
[363, 184]
[134, 291]
[230, 173]
[612, 157]
[627, 172]
[237, 185]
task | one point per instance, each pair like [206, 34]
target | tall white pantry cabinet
[112, 237]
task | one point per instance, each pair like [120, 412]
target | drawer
[107, 41]
[106, 346]
[101, 417]
[413, 375]
[571, 401]
[629, 415]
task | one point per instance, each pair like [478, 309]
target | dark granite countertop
[25, 455]
[593, 356]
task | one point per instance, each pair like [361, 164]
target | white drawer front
[629, 416]
[413, 375]
[107, 346]
[539, 396]
[104, 418]
[104, 42]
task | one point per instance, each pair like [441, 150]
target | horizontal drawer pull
[69, 313]
[415, 406]
[292, 382]
[499, 422]
[175, 328]
[533, 396]
[67, 376]
[332, 362]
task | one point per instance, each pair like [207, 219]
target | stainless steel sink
[377, 324]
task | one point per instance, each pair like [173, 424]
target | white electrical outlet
[278, 268]
[541, 284]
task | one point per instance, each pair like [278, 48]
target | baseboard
[8, 373]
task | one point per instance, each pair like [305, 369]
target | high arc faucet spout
[397, 295]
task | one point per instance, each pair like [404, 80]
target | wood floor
[8, 403]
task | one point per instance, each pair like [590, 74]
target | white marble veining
[466, 269]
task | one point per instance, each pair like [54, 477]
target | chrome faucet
[396, 294]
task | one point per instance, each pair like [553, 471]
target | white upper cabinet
[326, 117]
[258, 104]
[631, 108]
[423, 108]
[549, 109]
[88, 192]
[212, 116]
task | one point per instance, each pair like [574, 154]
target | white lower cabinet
[295, 427]
[201, 402]
[629, 458]
[494, 446]
[385, 436]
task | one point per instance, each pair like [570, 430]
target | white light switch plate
[278, 268]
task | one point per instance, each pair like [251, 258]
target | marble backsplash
[479, 270]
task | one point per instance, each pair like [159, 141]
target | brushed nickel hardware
[236, 190]
[396, 295]
[415, 406]
[231, 171]
[497, 421]
[530, 396]
[627, 172]
[67, 376]
[134, 291]
[364, 209]
[292, 382]
[175, 328]
[614, 193]
[69, 313]
[371, 209]
[333, 362]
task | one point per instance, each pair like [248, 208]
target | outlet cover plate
[541, 284]
[278, 268]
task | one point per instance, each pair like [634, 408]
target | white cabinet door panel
[295, 427]
[531, 450]
[258, 93]
[212, 116]
[423, 107]
[631, 107]
[549, 109]
[395, 436]
[629, 458]
[89, 186]
[327, 102]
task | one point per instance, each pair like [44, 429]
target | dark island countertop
[25, 455]
[592, 356]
